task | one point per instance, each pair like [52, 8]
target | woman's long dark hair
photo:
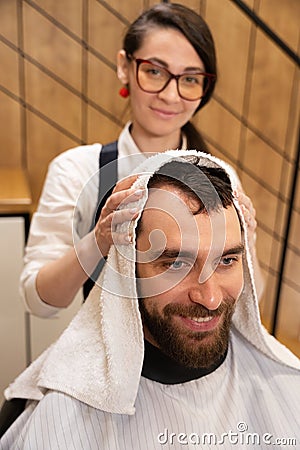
[196, 31]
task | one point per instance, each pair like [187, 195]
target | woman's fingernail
[128, 239]
[133, 210]
[138, 192]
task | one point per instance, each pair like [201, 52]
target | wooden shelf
[15, 195]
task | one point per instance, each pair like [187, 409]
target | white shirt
[66, 208]
[249, 402]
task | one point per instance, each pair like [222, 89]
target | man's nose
[208, 293]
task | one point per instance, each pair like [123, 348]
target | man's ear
[122, 67]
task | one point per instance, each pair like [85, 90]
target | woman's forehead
[169, 45]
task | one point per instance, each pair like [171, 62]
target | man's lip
[206, 325]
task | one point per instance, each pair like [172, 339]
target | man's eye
[228, 261]
[177, 265]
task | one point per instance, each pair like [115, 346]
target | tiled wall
[255, 122]
[58, 89]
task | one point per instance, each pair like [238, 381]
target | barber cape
[98, 359]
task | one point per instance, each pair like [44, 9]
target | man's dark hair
[210, 187]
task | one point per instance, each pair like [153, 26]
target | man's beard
[190, 349]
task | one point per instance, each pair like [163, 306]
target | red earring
[124, 92]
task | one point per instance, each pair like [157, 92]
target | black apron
[107, 180]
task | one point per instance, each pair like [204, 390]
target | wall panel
[10, 138]
[100, 124]
[105, 30]
[39, 86]
[67, 13]
[281, 18]
[103, 87]
[52, 48]
[45, 142]
[271, 90]
[231, 32]
[126, 10]
[228, 140]
[257, 153]
[288, 324]
[9, 55]
[9, 20]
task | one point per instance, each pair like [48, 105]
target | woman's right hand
[105, 229]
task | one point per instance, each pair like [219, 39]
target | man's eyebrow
[174, 253]
[236, 250]
[170, 253]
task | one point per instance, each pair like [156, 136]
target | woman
[168, 67]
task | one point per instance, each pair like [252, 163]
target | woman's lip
[164, 113]
[207, 325]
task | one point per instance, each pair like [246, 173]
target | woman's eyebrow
[159, 61]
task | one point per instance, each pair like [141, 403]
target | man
[189, 278]
[173, 355]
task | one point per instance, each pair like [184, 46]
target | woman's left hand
[249, 214]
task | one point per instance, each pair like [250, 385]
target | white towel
[98, 359]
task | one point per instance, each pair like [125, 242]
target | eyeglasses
[153, 79]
